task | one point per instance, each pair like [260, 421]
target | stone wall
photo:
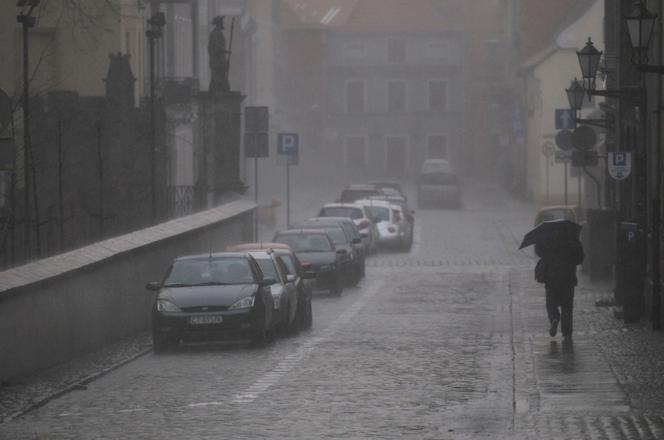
[55, 309]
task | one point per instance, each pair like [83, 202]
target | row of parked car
[254, 291]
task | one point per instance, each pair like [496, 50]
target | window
[438, 95]
[354, 96]
[356, 151]
[396, 50]
[436, 50]
[437, 147]
[355, 50]
[396, 96]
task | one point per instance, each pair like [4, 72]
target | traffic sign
[620, 164]
[256, 144]
[548, 149]
[256, 119]
[565, 119]
[584, 138]
[288, 148]
[564, 140]
[563, 156]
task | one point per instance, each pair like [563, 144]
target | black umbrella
[551, 230]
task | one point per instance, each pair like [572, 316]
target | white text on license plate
[202, 320]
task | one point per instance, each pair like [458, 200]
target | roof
[375, 15]
[211, 255]
[256, 246]
[541, 21]
[298, 231]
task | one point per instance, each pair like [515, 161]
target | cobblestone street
[449, 341]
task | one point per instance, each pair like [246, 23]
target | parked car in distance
[303, 278]
[360, 216]
[389, 188]
[358, 191]
[284, 292]
[393, 230]
[316, 250]
[409, 214]
[345, 235]
[438, 184]
[210, 297]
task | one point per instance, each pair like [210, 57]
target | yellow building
[70, 44]
[548, 74]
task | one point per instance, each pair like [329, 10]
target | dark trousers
[559, 305]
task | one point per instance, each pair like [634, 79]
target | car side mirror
[308, 275]
[268, 282]
[356, 241]
[290, 278]
[153, 286]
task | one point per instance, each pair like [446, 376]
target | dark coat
[558, 261]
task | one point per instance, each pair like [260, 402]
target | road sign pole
[288, 195]
[565, 183]
[256, 198]
[548, 191]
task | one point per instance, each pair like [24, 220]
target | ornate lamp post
[156, 23]
[640, 26]
[589, 58]
[27, 21]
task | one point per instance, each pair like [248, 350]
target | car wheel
[162, 343]
[309, 315]
[357, 276]
[337, 286]
[272, 333]
[363, 270]
[294, 328]
[261, 336]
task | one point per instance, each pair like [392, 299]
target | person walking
[556, 269]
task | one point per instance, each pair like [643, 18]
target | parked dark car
[317, 252]
[345, 235]
[211, 297]
[303, 278]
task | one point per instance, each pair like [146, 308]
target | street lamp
[640, 26]
[156, 22]
[27, 21]
[576, 93]
[589, 58]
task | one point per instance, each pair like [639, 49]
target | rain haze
[352, 219]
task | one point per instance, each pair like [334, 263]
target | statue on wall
[219, 57]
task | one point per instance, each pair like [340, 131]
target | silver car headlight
[245, 303]
[164, 305]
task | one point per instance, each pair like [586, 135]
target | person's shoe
[554, 327]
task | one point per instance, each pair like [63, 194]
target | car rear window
[351, 195]
[341, 211]
[305, 242]
[555, 214]
[379, 212]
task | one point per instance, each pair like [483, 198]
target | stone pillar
[220, 132]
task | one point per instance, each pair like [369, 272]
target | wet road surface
[447, 341]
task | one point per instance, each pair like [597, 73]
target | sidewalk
[608, 384]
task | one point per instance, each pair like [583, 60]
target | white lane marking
[292, 360]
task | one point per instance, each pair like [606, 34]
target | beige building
[69, 47]
[548, 73]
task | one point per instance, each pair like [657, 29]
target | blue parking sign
[288, 147]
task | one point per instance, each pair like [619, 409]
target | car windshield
[341, 211]
[267, 267]
[555, 214]
[209, 272]
[379, 212]
[305, 242]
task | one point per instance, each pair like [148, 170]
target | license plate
[204, 320]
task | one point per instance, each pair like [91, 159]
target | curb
[80, 385]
